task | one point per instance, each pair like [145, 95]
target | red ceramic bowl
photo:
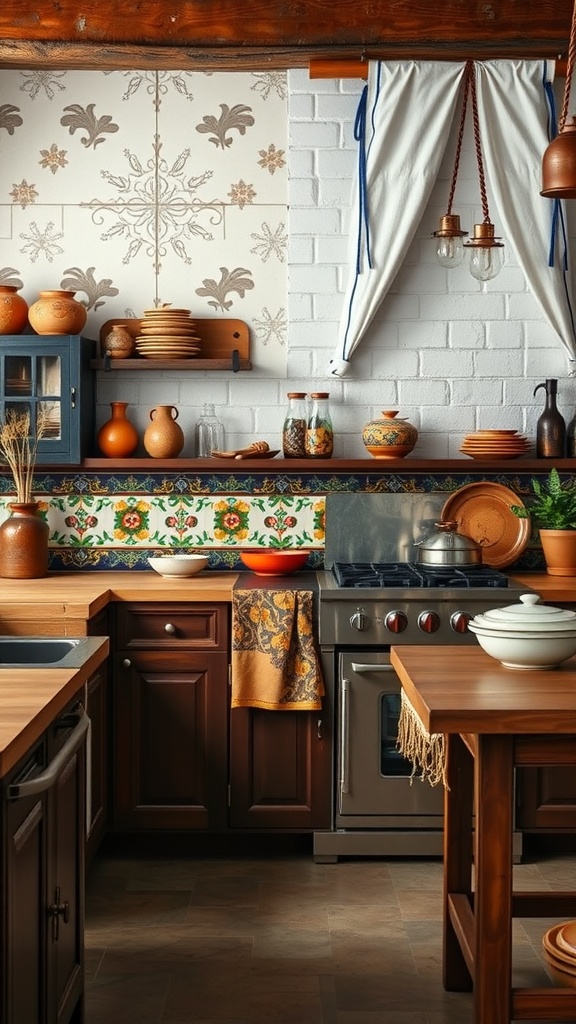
[267, 562]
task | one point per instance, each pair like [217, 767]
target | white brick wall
[451, 354]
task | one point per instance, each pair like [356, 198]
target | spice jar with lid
[319, 431]
[294, 428]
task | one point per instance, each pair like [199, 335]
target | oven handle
[344, 735]
[361, 667]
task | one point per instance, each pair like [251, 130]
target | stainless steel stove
[373, 597]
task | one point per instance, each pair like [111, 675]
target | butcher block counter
[494, 719]
[32, 698]
[75, 597]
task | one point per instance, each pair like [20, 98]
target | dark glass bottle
[571, 438]
[551, 428]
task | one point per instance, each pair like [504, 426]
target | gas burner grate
[410, 575]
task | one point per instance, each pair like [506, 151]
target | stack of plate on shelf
[559, 947]
[167, 333]
[495, 444]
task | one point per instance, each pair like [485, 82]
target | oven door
[374, 785]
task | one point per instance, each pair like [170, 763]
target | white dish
[525, 651]
[176, 566]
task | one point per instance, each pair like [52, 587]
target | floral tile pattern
[134, 188]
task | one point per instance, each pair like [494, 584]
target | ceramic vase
[57, 312]
[119, 343]
[118, 437]
[24, 542]
[164, 438]
[389, 437]
[13, 310]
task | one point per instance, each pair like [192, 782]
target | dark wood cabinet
[97, 747]
[279, 769]
[171, 697]
[182, 758]
[42, 852]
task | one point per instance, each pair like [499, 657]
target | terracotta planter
[24, 543]
[57, 312]
[164, 438]
[559, 547]
[118, 437]
[13, 310]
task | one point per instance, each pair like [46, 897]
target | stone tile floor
[273, 938]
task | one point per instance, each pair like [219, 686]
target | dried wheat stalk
[18, 448]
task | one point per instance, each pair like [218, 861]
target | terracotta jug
[24, 542]
[57, 312]
[118, 437]
[13, 310]
[164, 438]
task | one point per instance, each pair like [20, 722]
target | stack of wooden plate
[167, 333]
[495, 444]
[559, 946]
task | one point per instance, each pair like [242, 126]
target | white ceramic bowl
[175, 566]
[536, 650]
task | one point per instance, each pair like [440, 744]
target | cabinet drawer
[172, 625]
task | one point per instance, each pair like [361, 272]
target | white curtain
[513, 116]
[403, 123]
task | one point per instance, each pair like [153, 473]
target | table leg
[494, 778]
[458, 811]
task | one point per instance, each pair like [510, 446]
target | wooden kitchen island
[494, 719]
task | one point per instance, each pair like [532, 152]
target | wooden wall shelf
[225, 346]
[333, 466]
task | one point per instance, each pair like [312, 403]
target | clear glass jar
[209, 432]
[319, 432]
[294, 429]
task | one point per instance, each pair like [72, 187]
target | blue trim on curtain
[363, 199]
[557, 209]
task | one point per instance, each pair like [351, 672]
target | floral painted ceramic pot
[13, 310]
[57, 312]
[389, 437]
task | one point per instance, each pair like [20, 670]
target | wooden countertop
[30, 700]
[464, 690]
[84, 594]
[550, 588]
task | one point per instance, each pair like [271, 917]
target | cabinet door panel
[279, 770]
[546, 799]
[24, 991]
[66, 891]
[171, 740]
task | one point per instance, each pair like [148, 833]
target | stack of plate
[495, 444]
[167, 334]
[559, 945]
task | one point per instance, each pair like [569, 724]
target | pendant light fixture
[484, 249]
[450, 248]
[559, 160]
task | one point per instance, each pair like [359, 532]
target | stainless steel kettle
[447, 547]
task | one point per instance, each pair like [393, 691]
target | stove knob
[396, 621]
[459, 621]
[360, 620]
[429, 622]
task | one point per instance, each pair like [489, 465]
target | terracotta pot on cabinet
[24, 543]
[163, 438]
[57, 312]
[118, 437]
[559, 547]
[13, 310]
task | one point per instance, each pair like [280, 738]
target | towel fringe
[427, 751]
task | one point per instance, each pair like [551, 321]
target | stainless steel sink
[37, 651]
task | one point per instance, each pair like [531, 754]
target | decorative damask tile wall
[137, 188]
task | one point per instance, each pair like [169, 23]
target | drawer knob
[169, 628]
[126, 663]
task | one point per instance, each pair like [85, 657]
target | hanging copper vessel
[559, 164]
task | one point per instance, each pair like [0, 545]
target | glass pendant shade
[559, 164]
[485, 252]
[449, 247]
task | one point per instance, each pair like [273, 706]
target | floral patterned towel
[275, 664]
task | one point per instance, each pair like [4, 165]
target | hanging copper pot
[559, 164]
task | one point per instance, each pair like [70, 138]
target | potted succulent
[553, 510]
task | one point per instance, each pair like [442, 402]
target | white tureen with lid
[527, 635]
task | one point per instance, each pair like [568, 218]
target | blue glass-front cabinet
[51, 373]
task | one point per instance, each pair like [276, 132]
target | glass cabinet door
[33, 385]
